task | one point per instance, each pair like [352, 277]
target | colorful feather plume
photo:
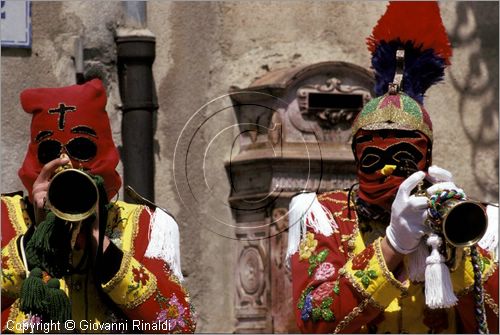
[417, 28]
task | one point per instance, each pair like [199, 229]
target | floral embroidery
[366, 276]
[315, 260]
[116, 224]
[324, 271]
[31, 321]
[360, 261]
[6, 276]
[483, 262]
[173, 313]
[315, 303]
[306, 310]
[307, 246]
[302, 298]
[336, 288]
[323, 311]
[322, 291]
[140, 277]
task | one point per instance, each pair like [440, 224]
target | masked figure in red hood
[366, 260]
[119, 264]
[71, 120]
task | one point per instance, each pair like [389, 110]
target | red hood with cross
[63, 114]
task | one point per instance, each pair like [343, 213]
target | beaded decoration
[436, 202]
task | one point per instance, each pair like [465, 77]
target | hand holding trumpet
[52, 190]
[410, 219]
[41, 186]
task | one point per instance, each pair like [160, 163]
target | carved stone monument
[295, 134]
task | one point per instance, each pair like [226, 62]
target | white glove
[408, 215]
[442, 180]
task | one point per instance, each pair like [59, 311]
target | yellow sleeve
[369, 274]
[132, 285]
[13, 273]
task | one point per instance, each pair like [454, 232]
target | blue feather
[422, 68]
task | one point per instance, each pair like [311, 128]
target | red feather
[417, 21]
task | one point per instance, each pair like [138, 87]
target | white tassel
[164, 241]
[489, 241]
[438, 287]
[417, 262]
[305, 208]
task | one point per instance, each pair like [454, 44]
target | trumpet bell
[464, 222]
[72, 195]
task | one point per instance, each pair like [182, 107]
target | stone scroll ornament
[410, 50]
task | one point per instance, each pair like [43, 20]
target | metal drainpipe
[136, 54]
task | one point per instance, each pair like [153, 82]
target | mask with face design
[410, 50]
[405, 151]
[71, 120]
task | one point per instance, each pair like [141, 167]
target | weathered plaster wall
[203, 48]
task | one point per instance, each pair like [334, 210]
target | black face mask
[79, 148]
[403, 155]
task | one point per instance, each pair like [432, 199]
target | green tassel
[34, 294]
[49, 246]
[43, 232]
[59, 305]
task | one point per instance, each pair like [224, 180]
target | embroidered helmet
[416, 30]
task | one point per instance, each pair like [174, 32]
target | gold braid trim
[14, 312]
[135, 226]
[324, 196]
[484, 277]
[17, 221]
[17, 263]
[491, 303]
[124, 267]
[352, 242]
[363, 292]
[151, 288]
[383, 266]
[351, 316]
[335, 201]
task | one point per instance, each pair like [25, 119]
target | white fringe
[489, 241]
[305, 209]
[164, 241]
[417, 262]
[438, 287]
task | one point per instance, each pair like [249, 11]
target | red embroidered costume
[139, 287]
[342, 250]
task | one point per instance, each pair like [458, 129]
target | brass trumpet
[72, 194]
[462, 222]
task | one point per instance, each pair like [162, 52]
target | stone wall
[203, 48]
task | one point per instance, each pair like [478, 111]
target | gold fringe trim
[15, 213]
[17, 263]
[385, 270]
[491, 303]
